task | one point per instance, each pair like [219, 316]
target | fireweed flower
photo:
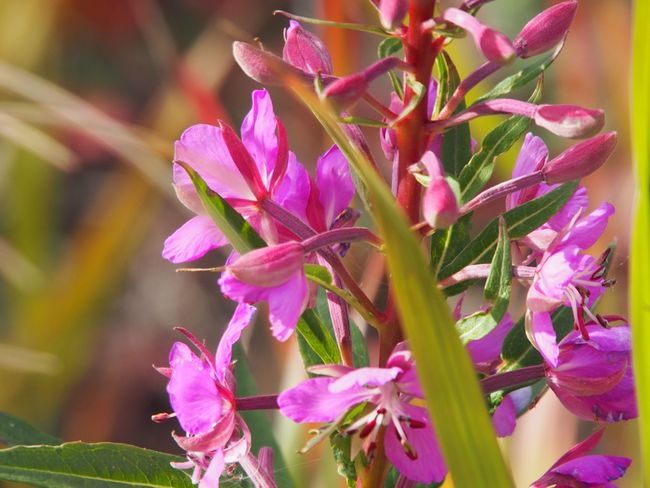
[566, 276]
[593, 377]
[305, 50]
[409, 441]
[201, 392]
[241, 171]
[579, 469]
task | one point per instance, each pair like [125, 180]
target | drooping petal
[504, 418]
[335, 185]
[594, 469]
[193, 240]
[292, 192]
[364, 377]
[203, 148]
[258, 133]
[578, 202]
[429, 465]
[539, 328]
[553, 275]
[239, 321]
[488, 349]
[211, 476]
[287, 302]
[312, 401]
[192, 391]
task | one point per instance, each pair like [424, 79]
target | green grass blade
[455, 401]
[639, 253]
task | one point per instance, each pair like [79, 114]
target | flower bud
[392, 12]
[269, 266]
[545, 30]
[305, 51]
[580, 160]
[569, 120]
[439, 204]
[264, 67]
[494, 45]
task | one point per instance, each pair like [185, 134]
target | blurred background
[92, 96]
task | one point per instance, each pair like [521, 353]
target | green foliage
[101, 465]
[15, 432]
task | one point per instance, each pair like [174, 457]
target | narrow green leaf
[447, 243]
[319, 339]
[101, 465]
[14, 432]
[239, 232]
[520, 220]
[390, 47]
[639, 255]
[497, 290]
[363, 121]
[419, 91]
[457, 141]
[481, 166]
[519, 79]
[462, 423]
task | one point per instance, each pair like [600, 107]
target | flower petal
[488, 349]
[240, 320]
[539, 328]
[594, 469]
[364, 378]
[312, 401]
[504, 418]
[287, 302]
[335, 185]
[211, 476]
[429, 465]
[532, 155]
[588, 230]
[193, 240]
[258, 133]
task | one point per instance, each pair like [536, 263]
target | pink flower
[409, 442]
[305, 50]
[577, 469]
[241, 171]
[593, 377]
[201, 392]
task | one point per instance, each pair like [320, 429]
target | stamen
[409, 449]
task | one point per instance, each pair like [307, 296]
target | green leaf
[520, 221]
[481, 166]
[447, 243]
[239, 232]
[519, 79]
[497, 290]
[365, 122]
[390, 47]
[639, 255]
[457, 141]
[101, 465]
[419, 91]
[318, 337]
[462, 423]
[14, 432]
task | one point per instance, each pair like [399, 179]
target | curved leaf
[14, 432]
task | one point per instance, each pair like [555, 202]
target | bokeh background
[92, 96]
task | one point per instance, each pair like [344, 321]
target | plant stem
[520, 376]
[257, 402]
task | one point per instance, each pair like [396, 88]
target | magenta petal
[292, 192]
[192, 391]
[594, 469]
[578, 202]
[429, 465]
[364, 377]
[258, 133]
[311, 401]
[335, 185]
[588, 230]
[203, 148]
[287, 302]
[504, 418]
[488, 349]
[532, 155]
[239, 321]
[551, 279]
[193, 240]
[544, 337]
[211, 476]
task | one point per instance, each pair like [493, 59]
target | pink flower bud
[269, 266]
[580, 160]
[494, 45]
[392, 12]
[545, 30]
[439, 204]
[262, 66]
[569, 120]
[305, 51]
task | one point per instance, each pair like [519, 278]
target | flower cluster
[290, 230]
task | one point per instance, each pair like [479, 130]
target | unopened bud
[305, 50]
[262, 66]
[580, 160]
[569, 120]
[439, 204]
[392, 12]
[269, 266]
[348, 90]
[494, 45]
[545, 30]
